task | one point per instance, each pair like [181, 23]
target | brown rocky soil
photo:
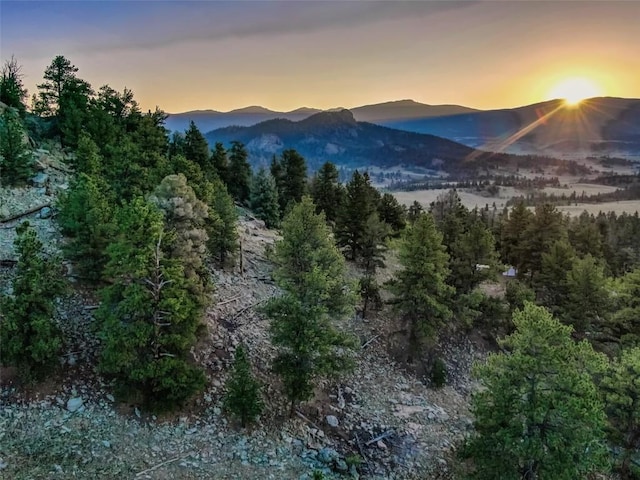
[71, 426]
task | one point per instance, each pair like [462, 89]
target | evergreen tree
[513, 235]
[291, 181]
[538, 415]
[185, 215]
[392, 213]
[56, 76]
[239, 178]
[311, 271]
[264, 199]
[587, 303]
[625, 323]
[327, 192]
[621, 390]
[421, 294]
[309, 266]
[517, 294]
[468, 241]
[585, 236]
[149, 316]
[243, 391]
[414, 212]
[373, 244]
[551, 283]
[546, 227]
[223, 238]
[87, 158]
[196, 148]
[73, 111]
[360, 203]
[372, 257]
[16, 165]
[12, 91]
[370, 294]
[86, 216]
[220, 162]
[31, 340]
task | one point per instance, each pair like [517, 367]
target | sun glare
[574, 90]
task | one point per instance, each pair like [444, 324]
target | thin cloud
[158, 24]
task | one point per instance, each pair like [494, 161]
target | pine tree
[196, 148]
[264, 199]
[309, 266]
[585, 236]
[392, 213]
[360, 202]
[73, 111]
[12, 91]
[621, 390]
[373, 244]
[16, 165]
[223, 238]
[513, 235]
[311, 272]
[86, 216]
[220, 162]
[57, 75]
[31, 340]
[149, 316]
[587, 304]
[551, 283]
[292, 179]
[538, 413]
[625, 323]
[327, 192]
[546, 227]
[372, 257]
[421, 293]
[239, 178]
[185, 215]
[87, 158]
[243, 391]
[414, 212]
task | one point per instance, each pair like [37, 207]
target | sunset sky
[184, 55]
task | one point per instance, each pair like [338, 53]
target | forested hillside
[172, 312]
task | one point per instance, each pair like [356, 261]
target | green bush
[439, 373]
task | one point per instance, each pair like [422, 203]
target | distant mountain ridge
[338, 137]
[208, 120]
[600, 125]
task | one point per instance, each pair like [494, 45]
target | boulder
[332, 420]
[74, 404]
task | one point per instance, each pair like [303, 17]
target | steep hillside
[339, 138]
[606, 125]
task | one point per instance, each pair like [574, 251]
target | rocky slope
[70, 426]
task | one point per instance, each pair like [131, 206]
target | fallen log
[24, 214]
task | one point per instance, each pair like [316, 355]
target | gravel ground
[380, 416]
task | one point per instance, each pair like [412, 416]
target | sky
[190, 55]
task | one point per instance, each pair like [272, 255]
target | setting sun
[574, 90]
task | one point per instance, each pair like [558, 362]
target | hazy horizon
[223, 56]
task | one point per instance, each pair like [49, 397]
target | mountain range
[401, 110]
[338, 137]
[602, 125]
[596, 126]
